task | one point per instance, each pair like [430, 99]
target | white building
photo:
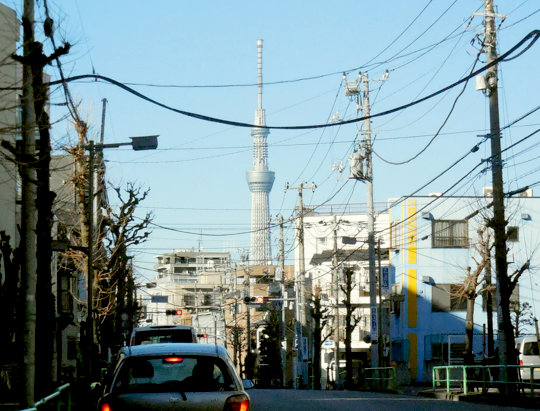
[332, 228]
[193, 282]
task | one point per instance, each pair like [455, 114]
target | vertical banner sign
[373, 330]
[304, 347]
[385, 281]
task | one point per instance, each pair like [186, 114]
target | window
[71, 349]
[530, 348]
[512, 234]
[395, 235]
[158, 374]
[439, 351]
[238, 308]
[189, 300]
[208, 299]
[514, 298]
[450, 234]
[321, 244]
[444, 298]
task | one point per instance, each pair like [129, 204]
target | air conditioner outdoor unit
[487, 191]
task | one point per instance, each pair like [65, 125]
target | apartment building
[434, 241]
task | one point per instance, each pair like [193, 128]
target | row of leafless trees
[117, 227]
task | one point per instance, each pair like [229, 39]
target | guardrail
[470, 377]
[62, 395]
[380, 377]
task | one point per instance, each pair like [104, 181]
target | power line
[532, 37]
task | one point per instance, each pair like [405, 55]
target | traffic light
[257, 300]
[174, 312]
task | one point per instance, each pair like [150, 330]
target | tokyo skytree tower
[260, 181]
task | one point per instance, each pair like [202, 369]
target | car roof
[530, 338]
[176, 349]
[164, 327]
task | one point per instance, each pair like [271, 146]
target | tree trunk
[316, 314]
[468, 356]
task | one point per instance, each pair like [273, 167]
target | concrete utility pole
[335, 264]
[379, 308]
[371, 224]
[90, 261]
[28, 216]
[505, 336]
[302, 318]
[359, 171]
[283, 304]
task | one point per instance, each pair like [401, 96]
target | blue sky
[197, 176]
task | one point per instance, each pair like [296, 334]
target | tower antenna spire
[260, 181]
[259, 66]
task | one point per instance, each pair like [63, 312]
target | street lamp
[137, 143]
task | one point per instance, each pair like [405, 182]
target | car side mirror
[248, 384]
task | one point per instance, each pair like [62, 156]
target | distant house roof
[345, 255]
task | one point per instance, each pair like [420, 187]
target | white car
[529, 356]
[187, 376]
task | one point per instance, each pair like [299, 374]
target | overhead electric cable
[440, 128]
[532, 37]
[400, 34]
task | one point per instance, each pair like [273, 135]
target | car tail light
[173, 360]
[237, 403]
[520, 362]
[105, 407]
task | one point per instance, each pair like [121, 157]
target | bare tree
[351, 321]
[472, 287]
[522, 317]
[119, 230]
[320, 320]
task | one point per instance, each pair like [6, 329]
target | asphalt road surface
[306, 400]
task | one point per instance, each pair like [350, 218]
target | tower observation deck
[260, 181]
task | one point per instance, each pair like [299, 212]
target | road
[300, 400]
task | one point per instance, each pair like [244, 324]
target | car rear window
[162, 336]
[173, 374]
[530, 348]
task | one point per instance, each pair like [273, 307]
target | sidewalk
[491, 398]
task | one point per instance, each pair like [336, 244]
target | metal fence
[382, 378]
[62, 398]
[468, 378]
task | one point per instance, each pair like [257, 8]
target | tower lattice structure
[260, 181]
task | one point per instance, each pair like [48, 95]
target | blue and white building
[433, 239]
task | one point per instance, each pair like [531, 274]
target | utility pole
[283, 304]
[90, 265]
[28, 216]
[302, 320]
[489, 302]
[336, 285]
[248, 362]
[371, 222]
[379, 309]
[362, 172]
[505, 336]
[235, 319]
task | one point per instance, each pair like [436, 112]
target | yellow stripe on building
[411, 298]
[411, 232]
